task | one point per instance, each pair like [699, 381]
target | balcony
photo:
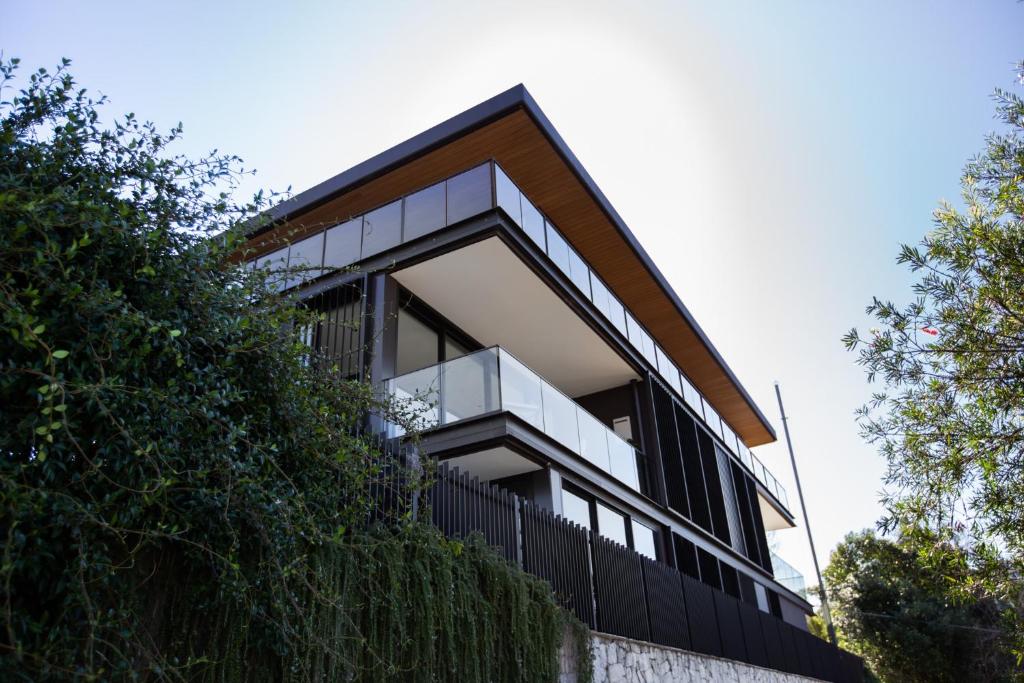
[468, 194]
[788, 576]
[493, 381]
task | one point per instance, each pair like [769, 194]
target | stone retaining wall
[621, 660]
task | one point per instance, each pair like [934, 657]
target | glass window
[560, 418]
[453, 349]
[469, 193]
[305, 259]
[579, 273]
[762, 597]
[617, 313]
[508, 195]
[575, 509]
[558, 249]
[382, 229]
[424, 212]
[469, 386]
[343, 244]
[643, 540]
[521, 391]
[417, 343]
[611, 524]
[533, 224]
[593, 439]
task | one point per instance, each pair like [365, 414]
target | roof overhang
[512, 129]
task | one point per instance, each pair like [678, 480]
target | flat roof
[512, 129]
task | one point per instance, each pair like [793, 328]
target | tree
[901, 614]
[950, 418]
[181, 488]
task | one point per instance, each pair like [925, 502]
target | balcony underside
[491, 294]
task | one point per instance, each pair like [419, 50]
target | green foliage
[950, 419]
[906, 618]
[179, 484]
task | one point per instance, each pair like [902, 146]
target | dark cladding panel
[762, 540]
[709, 573]
[729, 627]
[698, 498]
[686, 557]
[668, 441]
[700, 613]
[743, 502]
[713, 483]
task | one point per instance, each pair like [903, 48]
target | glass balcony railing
[493, 380]
[788, 576]
[463, 196]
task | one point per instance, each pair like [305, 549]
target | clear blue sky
[770, 156]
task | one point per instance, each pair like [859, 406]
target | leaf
[60, 354]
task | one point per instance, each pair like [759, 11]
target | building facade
[478, 273]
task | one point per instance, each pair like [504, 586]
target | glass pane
[453, 349]
[643, 540]
[575, 509]
[667, 369]
[508, 195]
[617, 313]
[690, 394]
[382, 229]
[424, 212]
[274, 262]
[417, 394]
[533, 224]
[611, 524]
[623, 462]
[579, 273]
[470, 386]
[599, 294]
[305, 259]
[713, 419]
[521, 392]
[469, 193]
[558, 249]
[729, 437]
[636, 333]
[593, 439]
[338, 337]
[343, 244]
[417, 343]
[560, 418]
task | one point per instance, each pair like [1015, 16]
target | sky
[771, 157]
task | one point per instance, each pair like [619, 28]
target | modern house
[500, 293]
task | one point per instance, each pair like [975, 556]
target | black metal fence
[616, 590]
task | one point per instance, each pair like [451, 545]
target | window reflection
[469, 193]
[382, 229]
[643, 540]
[611, 524]
[343, 244]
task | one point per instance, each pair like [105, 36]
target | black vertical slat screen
[686, 556]
[557, 551]
[700, 612]
[713, 482]
[732, 512]
[750, 621]
[607, 586]
[741, 488]
[619, 589]
[699, 510]
[729, 627]
[761, 538]
[772, 641]
[667, 614]
[337, 338]
[676, 486]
